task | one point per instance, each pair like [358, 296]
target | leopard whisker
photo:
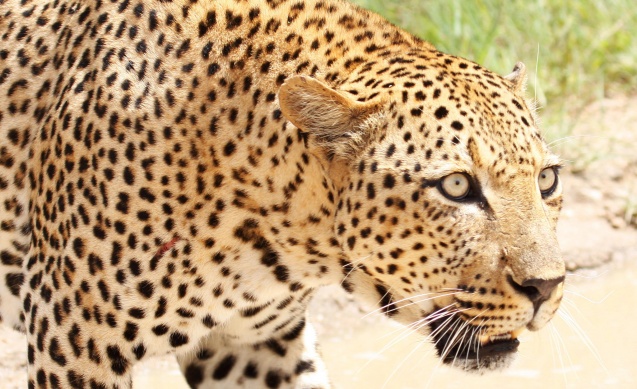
[384, 311]
[450, 315]
[440, 360]
[462, 333]
[403, 332]
[449, 310]
[473, 329]
[535, 104]
[598, 274]
[431, 318]
[462, 330]
[479, 330]
[354, 266]
[447, 349]
[416, 325]
[471, 343]
[411, 329]
[391, 375]
[438, 316]
[550, 328]
[558, 343]
[476, 339]
[576, 294]
[572, 323]
[571, 137]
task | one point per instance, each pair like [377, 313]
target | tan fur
[180, 176]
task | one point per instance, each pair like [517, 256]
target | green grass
[576, 51]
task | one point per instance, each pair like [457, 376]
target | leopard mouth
[498, 344]
[466, 346]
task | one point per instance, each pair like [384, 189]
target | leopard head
[448, 198]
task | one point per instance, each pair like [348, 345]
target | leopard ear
[340, 125]
[517, 78]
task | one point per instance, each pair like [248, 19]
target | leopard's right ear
[341, 126]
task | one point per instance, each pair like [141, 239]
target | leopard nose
[536, 289]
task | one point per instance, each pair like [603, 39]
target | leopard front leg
[64, 353]
[288, 359]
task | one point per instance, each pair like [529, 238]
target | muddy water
[594, 346]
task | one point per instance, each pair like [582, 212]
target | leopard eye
[547, 181]
[455, 186]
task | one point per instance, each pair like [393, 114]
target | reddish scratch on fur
[167, 246]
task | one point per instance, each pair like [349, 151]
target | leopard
[181, 176]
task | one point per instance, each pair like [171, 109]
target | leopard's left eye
[547, 181]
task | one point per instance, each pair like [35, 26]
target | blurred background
[581, 58]
[577, 51]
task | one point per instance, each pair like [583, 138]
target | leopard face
[449, 200]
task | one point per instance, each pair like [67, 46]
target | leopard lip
[496, 348]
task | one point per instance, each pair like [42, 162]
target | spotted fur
[181, 175]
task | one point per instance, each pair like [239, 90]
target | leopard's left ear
[517, 78]
[341, 126]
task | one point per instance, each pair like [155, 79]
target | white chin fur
[484, 365]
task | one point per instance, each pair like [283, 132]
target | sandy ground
[598, 236]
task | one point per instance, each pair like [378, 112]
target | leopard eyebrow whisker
[572, 137]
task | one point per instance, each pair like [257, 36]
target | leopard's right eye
[456, 186]
[547, 181]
